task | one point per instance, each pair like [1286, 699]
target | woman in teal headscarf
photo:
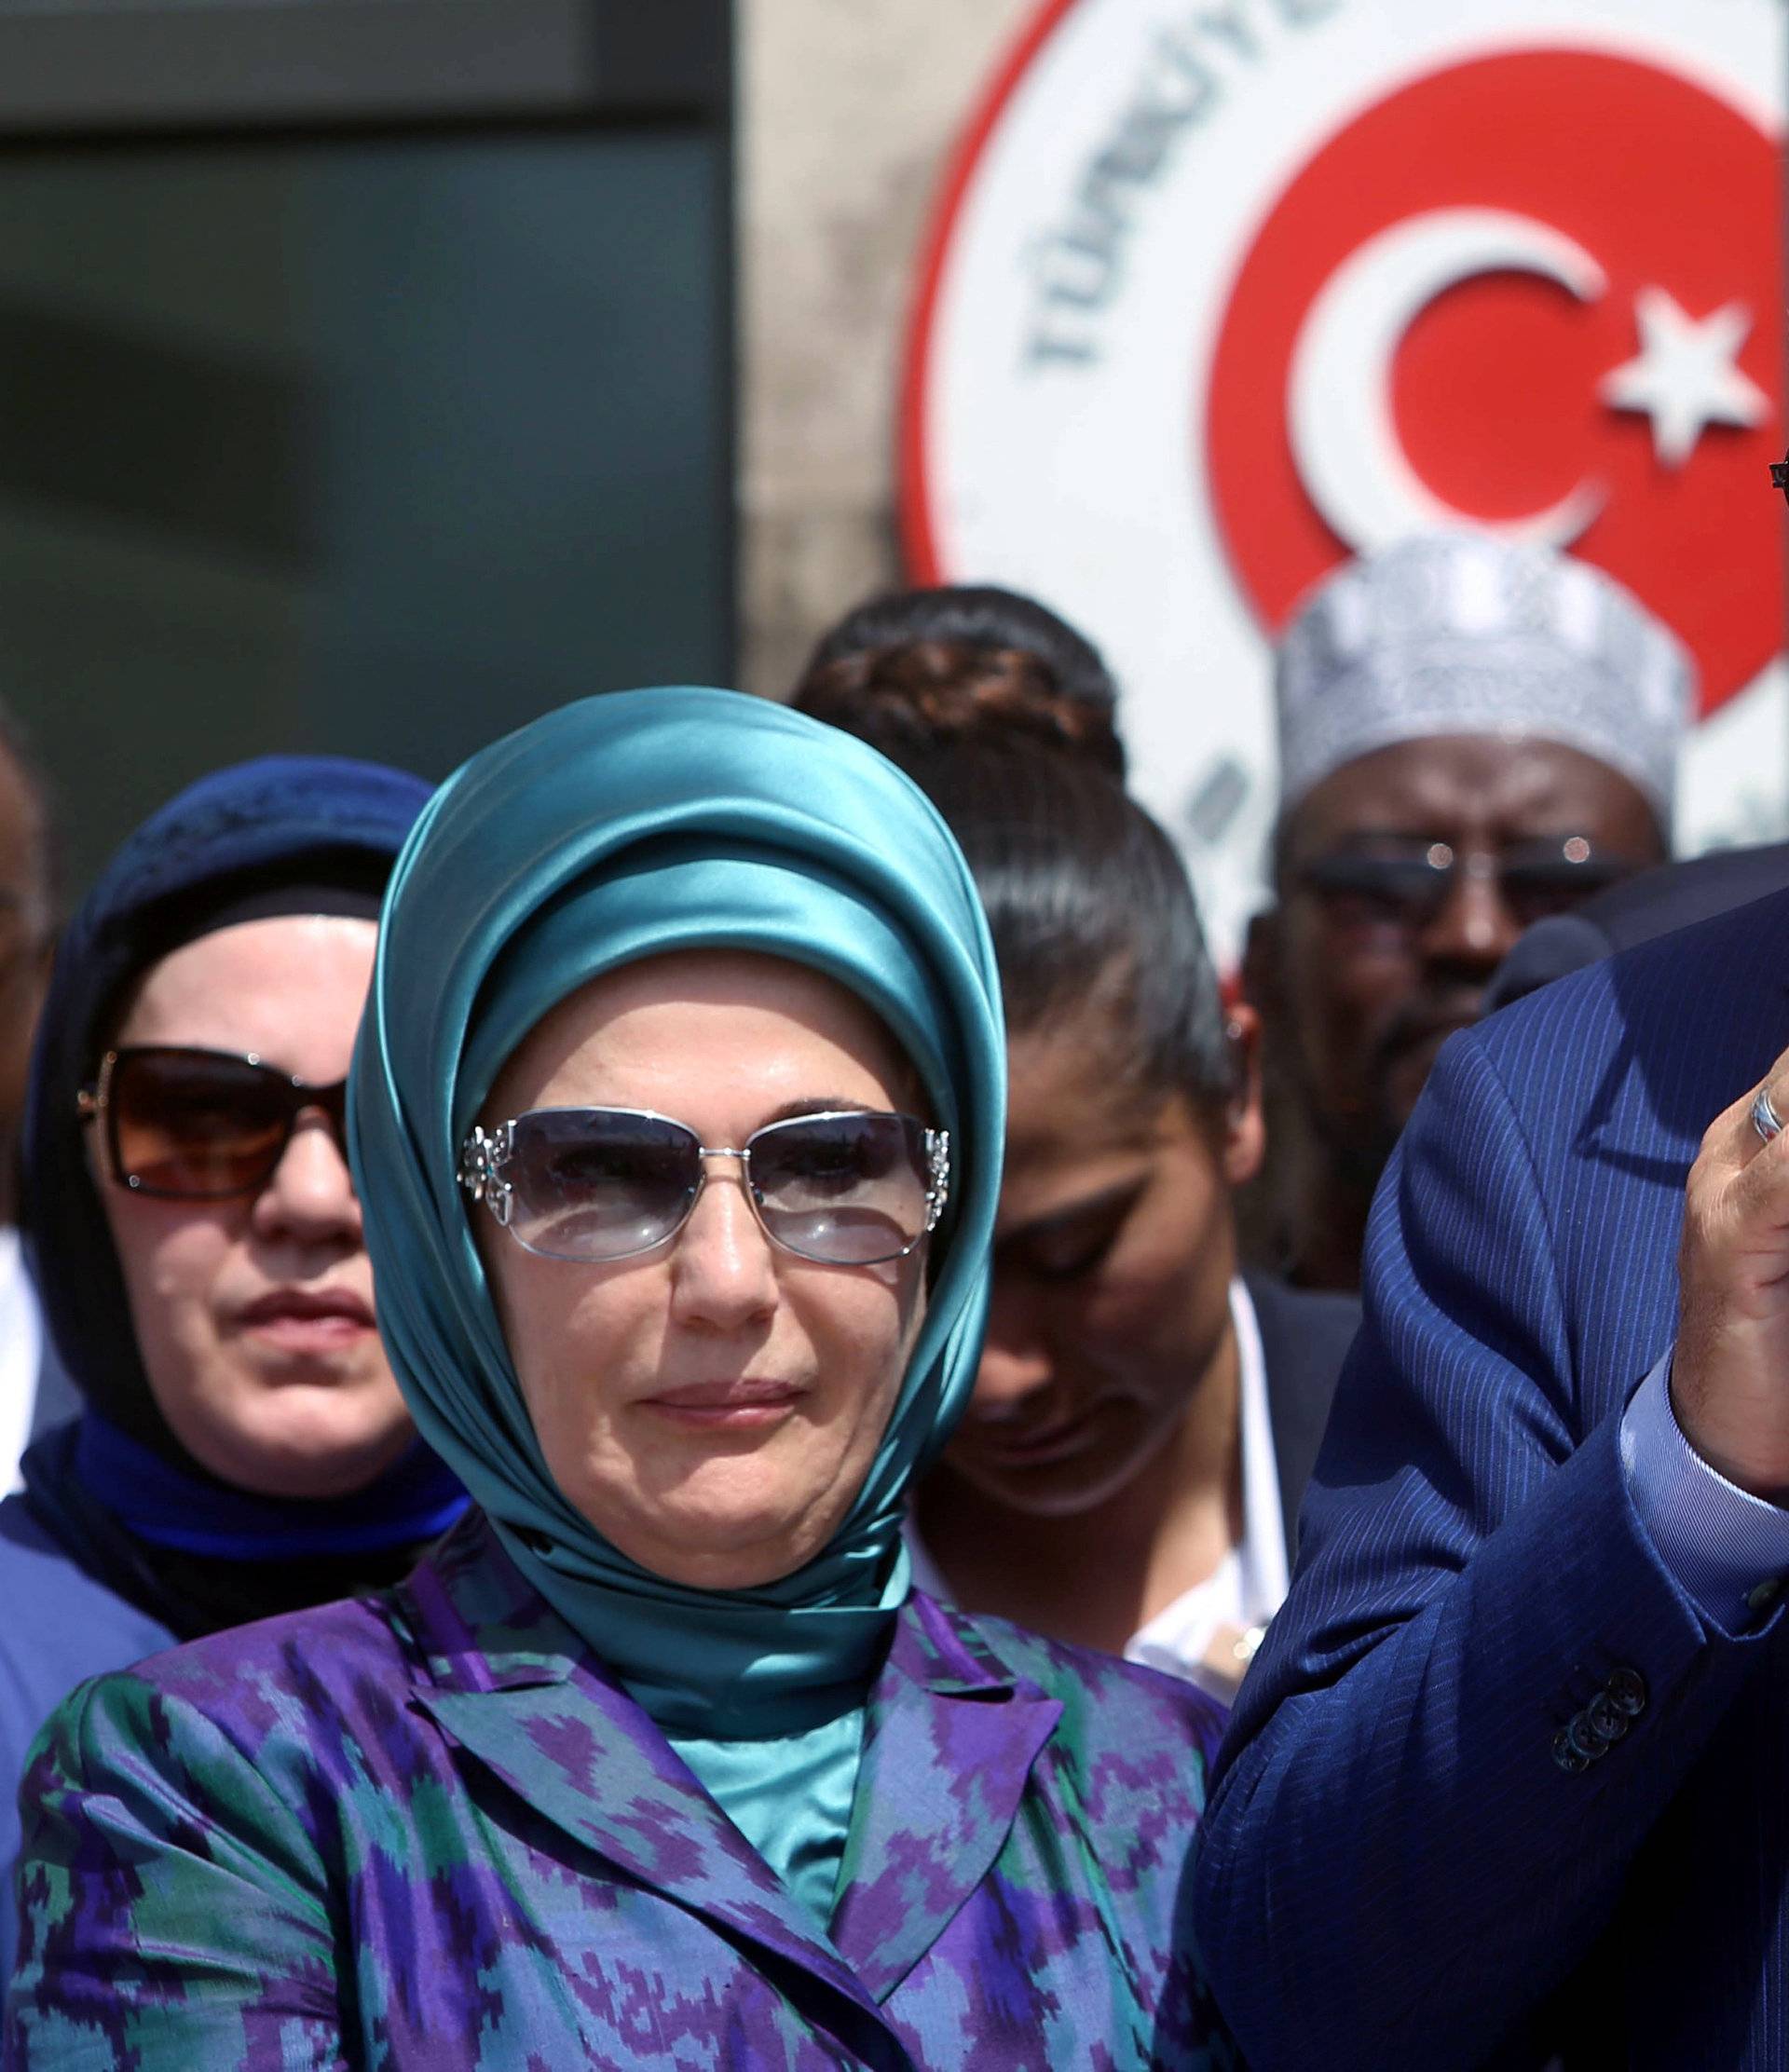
[676, 1113]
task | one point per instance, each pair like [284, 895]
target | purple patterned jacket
[427, 1830]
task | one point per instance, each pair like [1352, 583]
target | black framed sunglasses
[192, 1124]
[848, 1187]
[1406, 889]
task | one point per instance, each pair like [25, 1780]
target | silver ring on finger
[1765, 1119]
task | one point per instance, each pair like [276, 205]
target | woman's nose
[722, 1271]
[311, 1195]
[1016, 1361]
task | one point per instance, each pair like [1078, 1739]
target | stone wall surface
[848, 109]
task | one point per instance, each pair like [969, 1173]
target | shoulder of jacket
[1099, 1692]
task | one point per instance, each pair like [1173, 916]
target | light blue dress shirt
[1727, 1547]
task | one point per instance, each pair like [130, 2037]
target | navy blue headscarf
[281, 835]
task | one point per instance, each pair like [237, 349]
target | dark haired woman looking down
[1143, 1422]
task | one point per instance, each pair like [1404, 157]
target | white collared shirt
[1249, 1586]
[22, 1350]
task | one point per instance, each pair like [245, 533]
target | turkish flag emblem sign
[1205, 312]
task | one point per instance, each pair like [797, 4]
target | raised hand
[1729, 1382]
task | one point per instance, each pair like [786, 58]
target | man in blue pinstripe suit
[1511, 1778]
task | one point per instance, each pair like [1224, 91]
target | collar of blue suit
[619, 828]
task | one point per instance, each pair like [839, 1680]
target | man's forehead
[1446, 782]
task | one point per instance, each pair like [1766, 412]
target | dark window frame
[103, 76]
[99, 67]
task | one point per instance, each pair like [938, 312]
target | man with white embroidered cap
[1472, 734]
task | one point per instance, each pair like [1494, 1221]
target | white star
[1685, 375]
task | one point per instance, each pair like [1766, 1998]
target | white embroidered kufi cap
[1462, 633]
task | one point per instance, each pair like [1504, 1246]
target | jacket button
[1566, 1754]
[1763, 1595]
[1586, 1741]
[1627, 1692]
[1608, 1720]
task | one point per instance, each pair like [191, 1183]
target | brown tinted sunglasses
[195, 1125]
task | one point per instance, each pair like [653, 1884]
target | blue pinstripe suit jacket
[1395, 1872]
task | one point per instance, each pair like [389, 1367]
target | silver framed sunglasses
[848, 1187]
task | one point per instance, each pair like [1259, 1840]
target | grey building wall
[847, 110]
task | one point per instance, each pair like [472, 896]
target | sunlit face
[254, 1316]
[1360, 1002]
[1113, 1258]
[713, 1406]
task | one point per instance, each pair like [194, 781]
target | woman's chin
[329, 1446]
[732, 1548]
[1056, 1489]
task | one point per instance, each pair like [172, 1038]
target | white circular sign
[1219, 295]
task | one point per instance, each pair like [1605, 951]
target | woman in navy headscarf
[677, 1114]
[197, 1245]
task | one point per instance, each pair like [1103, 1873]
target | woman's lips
[304, 1320]
[730, 1406]
[1010, 1446]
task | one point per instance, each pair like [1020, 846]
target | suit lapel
[1304, 1338]
[949, 1746]
[507, 1682]
[584, 1756]
[950, 1739]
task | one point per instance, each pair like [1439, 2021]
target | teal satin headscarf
[619, 828]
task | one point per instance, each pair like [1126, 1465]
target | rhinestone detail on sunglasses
[482, 1158]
